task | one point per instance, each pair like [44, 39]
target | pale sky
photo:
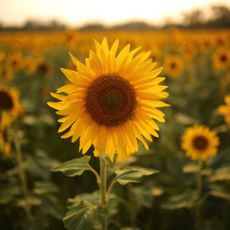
[78, 12]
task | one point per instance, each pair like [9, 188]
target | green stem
[111, 186]
[199, 192]
[103, 189]
[22, 174]
[96, 174]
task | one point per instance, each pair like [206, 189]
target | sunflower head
[173, 65]
[9, 104]
[15, 61]
[43, 68]
[199, 142]
[225, 109]
[112, 100]
[29, 64]
[221, 59]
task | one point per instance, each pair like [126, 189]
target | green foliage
[132, 174]
[185, 200]
[75, 167]
[81, 216]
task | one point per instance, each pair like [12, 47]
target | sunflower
[111, 101]
[221, 59]
[173, 65]
[10, 106]
[29, 64]
[199, 142]
[15, 61]
[225, 109]
[43, 68]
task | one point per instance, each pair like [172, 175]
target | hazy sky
[78, 12]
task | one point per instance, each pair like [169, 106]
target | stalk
[199, 192]
[22, 173]
[103, 190]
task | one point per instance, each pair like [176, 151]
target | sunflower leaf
[221, 174]
[81, 216]
[191, 168]
[85, 211]
[180, 201]
[219, 191]
[75, 167]
[132, 174]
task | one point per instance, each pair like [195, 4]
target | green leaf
[92, 198]
[75, 167]
[191, 168]
[141, 196]
[43, 187]
[219, 191]
[81, 216]
[185, 200]
[51, 207]
[184, 119]
[8, 193]
[221, 194]
[85, 211]
[34, 201]
[221, 174]
[132, 174]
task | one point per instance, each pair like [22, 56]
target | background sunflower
[200, 143]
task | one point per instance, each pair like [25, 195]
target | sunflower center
[43, 68]
[110, 100]
[6, 102]
[223, 58]
[200, 143]
[173, 65]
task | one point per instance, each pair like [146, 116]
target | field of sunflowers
[179, 180]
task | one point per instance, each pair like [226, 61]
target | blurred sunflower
[43, 68]
[199, 142]
[29, 64]
[174, 65]
[10, 106]
[15, 61]
[6, 72]
[221, 59]
[225, 109]
[112, 100]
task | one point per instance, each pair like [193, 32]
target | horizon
[45, 11]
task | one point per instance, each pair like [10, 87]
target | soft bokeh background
[192, 36]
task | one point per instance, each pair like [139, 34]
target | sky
[109, 12]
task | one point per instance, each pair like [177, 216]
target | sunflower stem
[103, 189]
[199, 192]
[22, 174]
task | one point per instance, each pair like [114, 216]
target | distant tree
[194, 18]
[93, 26]
[220, 16]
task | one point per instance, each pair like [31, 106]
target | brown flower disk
[200, 143]
[6, 102]
[111, 100]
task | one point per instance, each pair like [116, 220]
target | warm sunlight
[75, 12]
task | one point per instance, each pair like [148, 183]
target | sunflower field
[86, 110]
